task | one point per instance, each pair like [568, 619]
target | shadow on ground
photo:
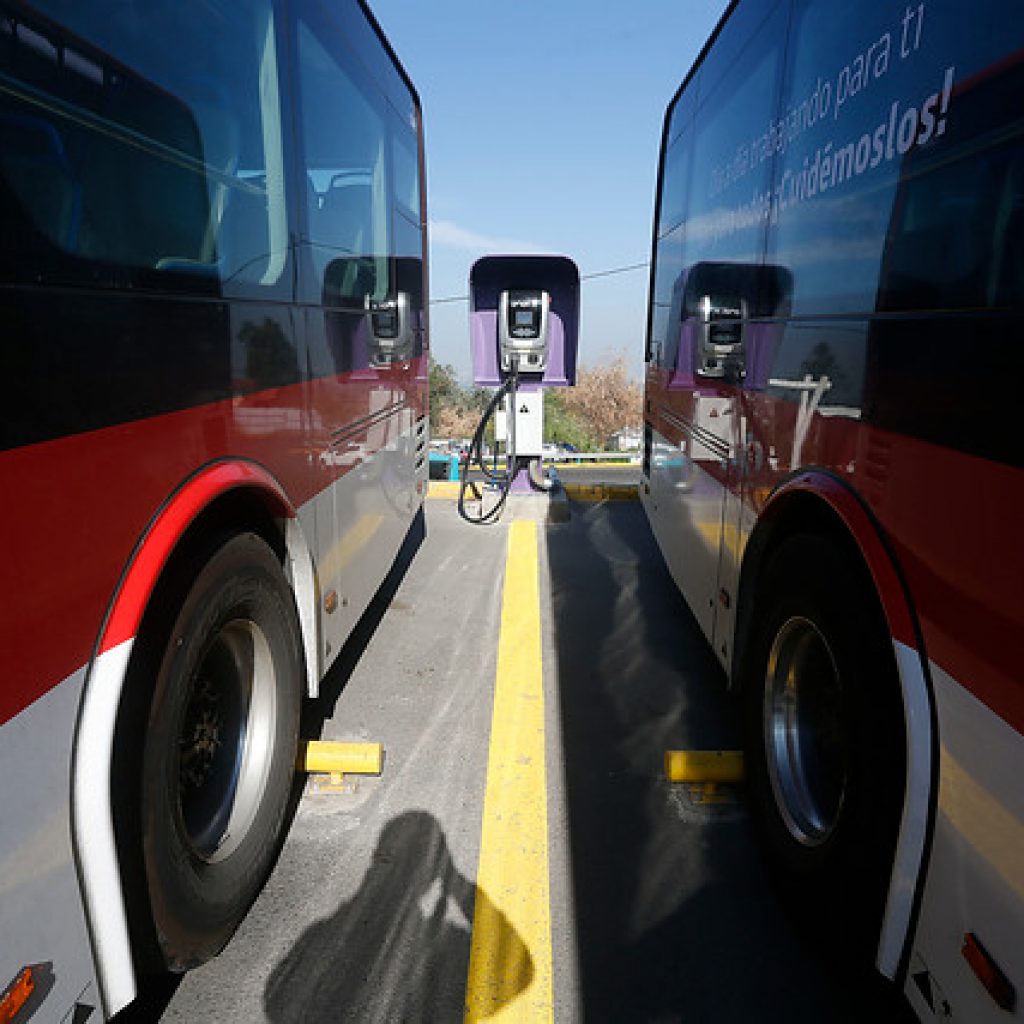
[398, 950]
[676, 919]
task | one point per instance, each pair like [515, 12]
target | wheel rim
[225, 744]
[805, 739]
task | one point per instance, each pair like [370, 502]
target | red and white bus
[213, 287]
[833, 464]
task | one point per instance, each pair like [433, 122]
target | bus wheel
[219, 750]
[825, 735]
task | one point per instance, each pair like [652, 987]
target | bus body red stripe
[75, 508]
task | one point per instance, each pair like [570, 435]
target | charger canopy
[555, 275]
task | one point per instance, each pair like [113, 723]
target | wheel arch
[222, 497]
[820, 503]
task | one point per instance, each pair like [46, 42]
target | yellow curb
[704, 765]
[331, 757]
[572, 467]
[443, 489]
[601, 492]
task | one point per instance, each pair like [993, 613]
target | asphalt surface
[661, 909]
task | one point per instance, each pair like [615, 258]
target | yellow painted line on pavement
[510, 955]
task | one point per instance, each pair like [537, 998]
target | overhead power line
[583, 277]
[615, 270]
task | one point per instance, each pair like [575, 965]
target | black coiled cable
[475, 455]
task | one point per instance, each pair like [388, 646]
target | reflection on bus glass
[148, 177]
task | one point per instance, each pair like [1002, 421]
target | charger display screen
[524, 314]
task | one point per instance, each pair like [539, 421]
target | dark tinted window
[670, 262]
[345, 149]
[671, 248]
[361, 161]
[956, 234]
[142, 141]
[715, 195]
[899, 168]
[408, 230]
[362, 239]
[729, 201]
[675, 189]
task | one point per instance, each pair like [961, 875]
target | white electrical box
[529, 423]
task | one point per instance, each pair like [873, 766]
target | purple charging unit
[558, 276]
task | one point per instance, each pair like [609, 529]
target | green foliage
[454, 410]
[444, 391]
[563, 426]
[604, 400]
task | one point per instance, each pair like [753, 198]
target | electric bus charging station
[524, 333]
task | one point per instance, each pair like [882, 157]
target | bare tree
[456, 423]
[605, 399]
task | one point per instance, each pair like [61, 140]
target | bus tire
[824, 737]
[219, 750]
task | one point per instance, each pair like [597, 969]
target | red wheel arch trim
[866, 534]
[182, 508]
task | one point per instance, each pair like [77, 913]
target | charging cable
[474, 457]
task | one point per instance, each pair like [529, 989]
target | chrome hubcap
[805, 739]
[226, 740]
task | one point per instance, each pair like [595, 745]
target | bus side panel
[976, 875]
[80, 512]
[372, 470]
[372, 509]
[685, 505]
[38, 879]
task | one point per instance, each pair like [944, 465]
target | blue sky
[542, 123]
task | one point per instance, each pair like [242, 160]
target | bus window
[344, 147]
[166, 178]
[661, 343]
[729, 197]
[955, 242]
[956, 234]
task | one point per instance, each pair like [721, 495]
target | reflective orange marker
[997, 984]
[16, 995]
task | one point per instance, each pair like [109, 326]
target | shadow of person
[398, 951]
